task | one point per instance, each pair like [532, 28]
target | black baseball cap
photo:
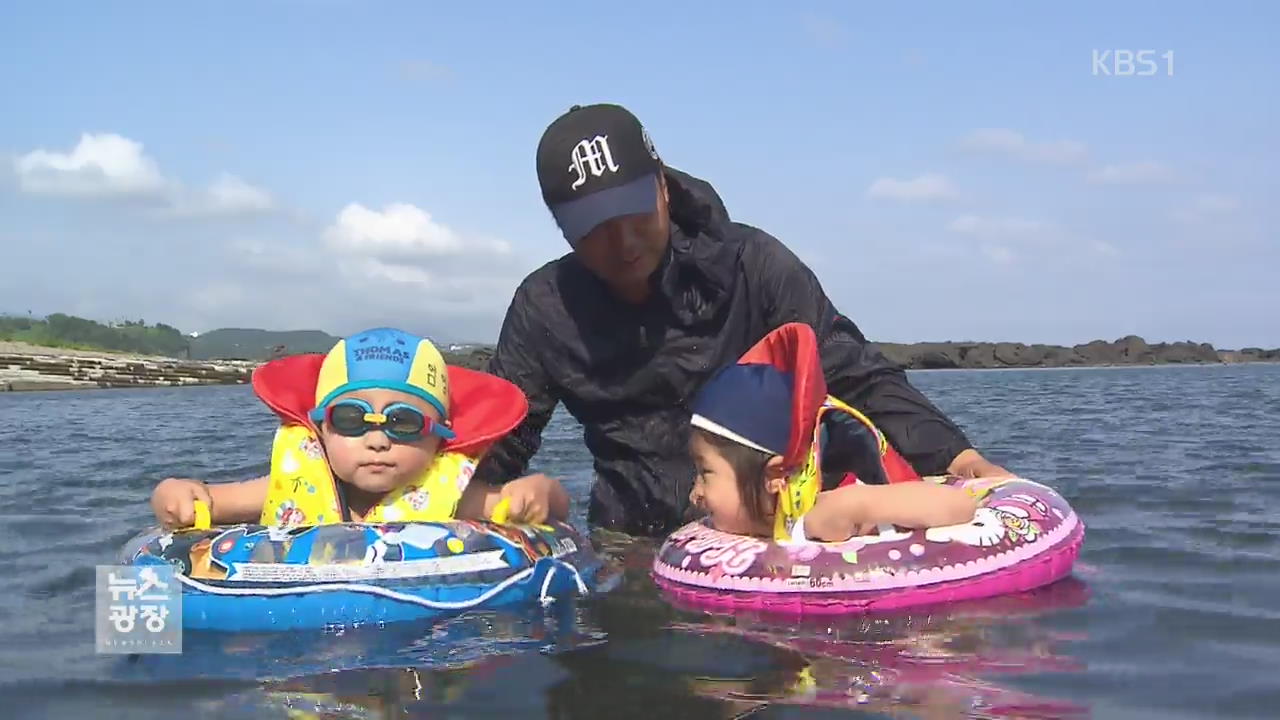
[596, 163]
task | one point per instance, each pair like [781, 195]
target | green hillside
[69, 331]
[136, 336]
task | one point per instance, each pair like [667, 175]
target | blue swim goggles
[400, 421]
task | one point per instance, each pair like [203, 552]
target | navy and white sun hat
[749, 404]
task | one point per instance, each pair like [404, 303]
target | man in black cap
[661, 289]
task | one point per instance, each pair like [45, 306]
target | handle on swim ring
[502, 515]
[203, 521]
[501, 511]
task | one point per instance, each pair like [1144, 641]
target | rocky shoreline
[34, 368]
[28, 367]
[1131, 350]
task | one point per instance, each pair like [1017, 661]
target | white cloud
[99, 165]
[226, 196]
[401, 245]
[401, 230]
[1003, 141]
[1004, 239]
[231, 194]
[1141, 173]
[396, 265]
[987, 227]
[995, 236]
[358, 266]
[1205, 206]
[107, 165]
[930, 186]
[376, 269]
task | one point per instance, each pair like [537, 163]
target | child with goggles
[377, 445]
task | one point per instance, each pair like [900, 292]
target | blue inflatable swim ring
[254, 577]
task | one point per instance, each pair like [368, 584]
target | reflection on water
[928, 662]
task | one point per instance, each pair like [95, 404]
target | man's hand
[534, 499]
[971, 464]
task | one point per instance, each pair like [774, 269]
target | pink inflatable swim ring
[1023, 536]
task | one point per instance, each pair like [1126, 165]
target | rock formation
[1131, 350]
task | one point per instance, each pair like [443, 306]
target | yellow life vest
[805, 483]
[303, 490]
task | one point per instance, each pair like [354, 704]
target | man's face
[625, 251]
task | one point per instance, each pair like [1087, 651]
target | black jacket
[627, 373]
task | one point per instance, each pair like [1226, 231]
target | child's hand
[174, 501]
[534, 499]
[971, 464]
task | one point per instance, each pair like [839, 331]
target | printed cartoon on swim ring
[254, 577]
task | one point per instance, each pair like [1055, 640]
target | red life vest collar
[484, 407]
[793, 348]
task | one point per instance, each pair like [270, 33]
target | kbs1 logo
[1128, 63]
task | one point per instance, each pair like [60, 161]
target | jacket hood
[695, 206]
[699, 273]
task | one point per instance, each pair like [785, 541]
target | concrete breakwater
[72, 371]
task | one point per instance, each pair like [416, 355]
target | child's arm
[240, 501]
[173, 501]
[534, 499]
[838, 514]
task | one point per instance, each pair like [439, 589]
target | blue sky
[950, 171]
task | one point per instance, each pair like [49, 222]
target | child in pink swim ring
[742, 425]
